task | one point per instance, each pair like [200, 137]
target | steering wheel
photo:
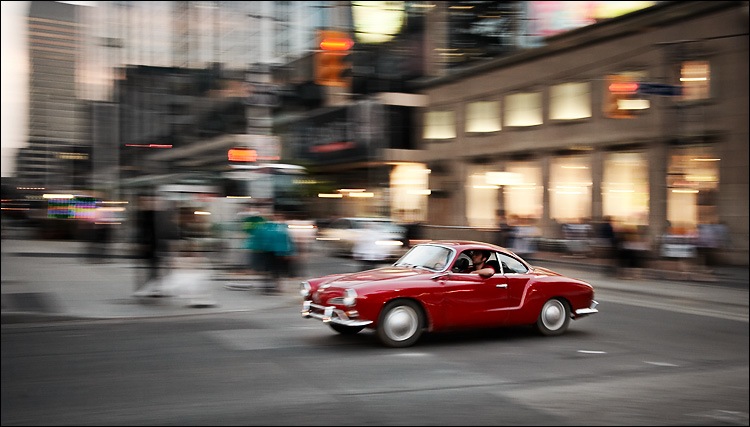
[461, 264]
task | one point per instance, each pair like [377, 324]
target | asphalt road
[631, 364]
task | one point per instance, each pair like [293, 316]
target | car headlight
[350, 297]
[304, 289]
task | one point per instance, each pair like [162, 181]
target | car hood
[354, 280]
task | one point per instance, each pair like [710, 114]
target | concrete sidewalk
[45, 280]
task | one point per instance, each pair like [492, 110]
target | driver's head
[479, 256]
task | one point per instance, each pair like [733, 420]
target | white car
[303, 232]
[342, 234]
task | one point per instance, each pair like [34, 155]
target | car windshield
[431, 257]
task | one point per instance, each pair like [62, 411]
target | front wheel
[554, 317]
[400, 324]
[345, 330]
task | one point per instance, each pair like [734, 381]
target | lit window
[625, 193]
[695, 78]
[483, 116]
[409, 191]
[440, 125]
[524, 198]
[523, 109]
[693, 184]
[481, 197]
[570, 189]
[570, 101]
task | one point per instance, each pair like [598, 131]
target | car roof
[461, 245]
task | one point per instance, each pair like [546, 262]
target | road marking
[661, 364]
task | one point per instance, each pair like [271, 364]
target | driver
[479, 266]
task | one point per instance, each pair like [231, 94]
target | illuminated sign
[242, 155]
[548, 18]
[377, 21]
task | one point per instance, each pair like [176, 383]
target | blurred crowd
[165, 233]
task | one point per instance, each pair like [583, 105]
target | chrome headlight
[304, 289]
[350, 297]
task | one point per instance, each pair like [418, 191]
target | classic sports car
[431, 288]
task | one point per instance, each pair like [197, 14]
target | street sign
[659, 89]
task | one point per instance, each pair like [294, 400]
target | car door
[473, 301]
[516, 277]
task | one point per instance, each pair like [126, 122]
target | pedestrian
[154, 229]
[277, 250]
[504, 230]
[251, 223]
[98, 231]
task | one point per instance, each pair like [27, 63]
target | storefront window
[625, 194]
[483, 116]
[524, 198]
[409, 191]
[570, 101]
[570, 189]
[692, 185]
[440, 125]
[481, 199]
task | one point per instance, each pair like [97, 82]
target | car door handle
[503, 286]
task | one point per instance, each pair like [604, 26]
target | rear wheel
[400, 323]
[554, 317]
[345, 330]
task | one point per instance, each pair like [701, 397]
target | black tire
[345, 330]
[554, 317]
[401, 323]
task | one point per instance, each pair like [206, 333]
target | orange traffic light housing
[331, 60]
[242, 155]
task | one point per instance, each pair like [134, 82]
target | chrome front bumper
[581, 312]
[329, 314]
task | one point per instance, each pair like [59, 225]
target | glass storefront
[570, 189]
[692, 187]
[625, 188]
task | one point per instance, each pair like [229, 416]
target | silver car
[341, 235]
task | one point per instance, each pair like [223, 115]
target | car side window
[511, 265]
[462, 263]
[493, 262]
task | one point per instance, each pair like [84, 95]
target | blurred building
[58, 150]
[448, 113]
[642, 118]
[83, 57]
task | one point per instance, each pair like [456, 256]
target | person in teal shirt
[277, 248]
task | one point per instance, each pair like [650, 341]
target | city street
[629, 365]
[673, 357]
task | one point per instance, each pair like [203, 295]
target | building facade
[642, 118]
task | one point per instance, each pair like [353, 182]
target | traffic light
[622, 97]
[332, 64]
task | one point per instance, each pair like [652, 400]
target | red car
[430, 289]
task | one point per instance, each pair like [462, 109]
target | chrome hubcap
[401, 323]
[553, 315]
